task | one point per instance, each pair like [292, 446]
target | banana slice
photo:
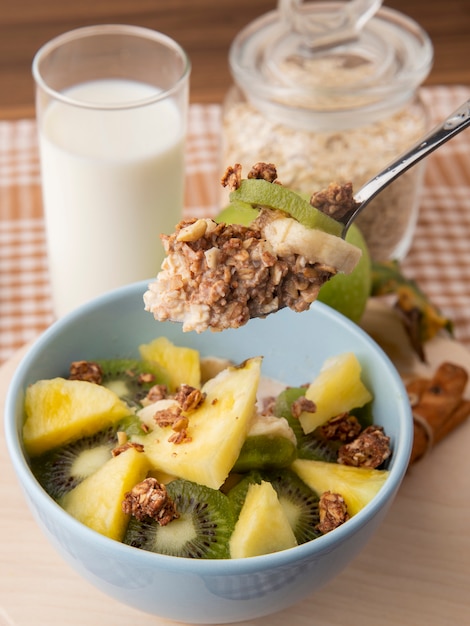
[218, 275]
[287, 237]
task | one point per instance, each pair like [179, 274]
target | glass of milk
[111, 103]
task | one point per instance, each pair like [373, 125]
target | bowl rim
[316, 547]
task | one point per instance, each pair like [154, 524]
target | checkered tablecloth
[439, 258]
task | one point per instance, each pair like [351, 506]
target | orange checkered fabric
[439, 259]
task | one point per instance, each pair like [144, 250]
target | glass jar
[332, 110]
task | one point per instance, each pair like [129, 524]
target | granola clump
[180, 434]
[174, 410]
[343, 427]
[302, 404]
[336, 200]
[144, 378]
[370, 449]
[232, 177]
[333, 512]
[264, 171]
[189, 398]
[171, 415]
[168, 415]
[155, 393]
[125, 446]
[88, 371]
[150, 498]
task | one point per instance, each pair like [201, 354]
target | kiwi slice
[316, 448]
[65, 467]
[238, 212]
[299, 501]
[283, 408]
[261, 193]
[264, 452]
[131, 379]
[202, 531]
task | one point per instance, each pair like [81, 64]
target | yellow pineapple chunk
[181, 364]
[336, 389]
[216, 429]
[262, 526]
[357, 485]
[59, 411]
[97, 501]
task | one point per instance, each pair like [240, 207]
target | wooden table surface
[205, 28]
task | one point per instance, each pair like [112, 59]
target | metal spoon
[454, 124]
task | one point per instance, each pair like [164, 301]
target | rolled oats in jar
[334, 112]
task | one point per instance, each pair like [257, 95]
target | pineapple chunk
[217, 429]
[97, 501]
[59, 411]
[357, 485]
[262, 526]
[337, 388]
[181, 364]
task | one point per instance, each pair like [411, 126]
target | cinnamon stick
[438, 406]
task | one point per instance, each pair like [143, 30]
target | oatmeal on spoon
[218, 275]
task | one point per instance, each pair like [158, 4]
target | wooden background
[205, 28]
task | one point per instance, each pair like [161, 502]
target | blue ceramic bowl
[294, 346]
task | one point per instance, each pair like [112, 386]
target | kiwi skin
[54, 470]
[202, 511]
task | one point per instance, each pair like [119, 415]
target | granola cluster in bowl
[293, 347]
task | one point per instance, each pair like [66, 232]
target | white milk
[112, 182]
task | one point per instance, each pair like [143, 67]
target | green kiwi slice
[264, 452]
[283, 408]
[202, 530]
[65, 467]
[131, 379]
[299, 501]
[238, 212]
[316, 448]
[261, 193]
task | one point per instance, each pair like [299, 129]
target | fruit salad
[201, 458]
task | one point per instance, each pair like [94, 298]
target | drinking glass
[111, 105]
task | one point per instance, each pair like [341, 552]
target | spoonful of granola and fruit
[270, 248]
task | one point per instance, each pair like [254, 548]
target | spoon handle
[452, 125]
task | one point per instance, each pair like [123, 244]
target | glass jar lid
[330, 65]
